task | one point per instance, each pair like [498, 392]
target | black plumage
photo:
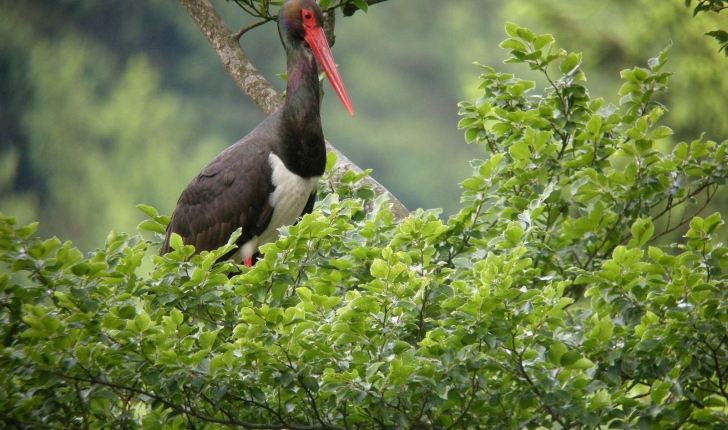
[236, 190]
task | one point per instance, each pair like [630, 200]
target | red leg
[248, 262]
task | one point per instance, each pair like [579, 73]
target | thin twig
[244, 30]
[606, 238]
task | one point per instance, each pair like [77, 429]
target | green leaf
[33, 333]
[175, 241]
[720, 35]
[127, 312]
[25, 232]
[361, 4]
[484, 109]
[660, 133]
[640, 74]
[556, 351]
[570, 357]
[526, 34]
[627, 258]
[580, 364]
[514, 233]
[331, 158]
[642, 230]
[487, 169]
[472, 184]
[150, 211]
[151, 225]
[513, 44]
[712, 222]
[519, 151]
[379, 268]
[341, 263]
[216, 362]
[304, 294]
[604, 330]
[659, 390]
[594, 125]
[177, 317]
[601, 399]
[207, 338]
[142, 321]
[714, 402]
[681, 151]
[571, 62]
[662, 57]
[80, 269]
[471, 134]
[542, 41]
[512, 29]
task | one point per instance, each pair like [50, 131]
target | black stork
[268, 178]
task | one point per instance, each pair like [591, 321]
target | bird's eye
[308, 17]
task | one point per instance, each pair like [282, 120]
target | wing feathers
[230, 193]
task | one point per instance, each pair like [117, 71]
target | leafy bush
[546, 302]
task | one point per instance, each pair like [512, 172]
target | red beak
[316, 39]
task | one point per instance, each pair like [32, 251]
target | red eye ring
[308, 17]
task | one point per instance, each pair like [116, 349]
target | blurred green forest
[104, 105]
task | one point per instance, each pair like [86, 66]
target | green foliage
[704, 6]
[351, 320]
[721, 37]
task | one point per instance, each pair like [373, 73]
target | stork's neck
[302, 90]
[303, 149]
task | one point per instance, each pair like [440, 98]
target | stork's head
[300, 24]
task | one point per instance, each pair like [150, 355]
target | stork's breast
[289, 198]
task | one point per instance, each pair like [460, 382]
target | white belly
[288, 200]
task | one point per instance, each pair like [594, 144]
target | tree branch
[232, 57]
[192, 412]
[257, 89]
[244, 30]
